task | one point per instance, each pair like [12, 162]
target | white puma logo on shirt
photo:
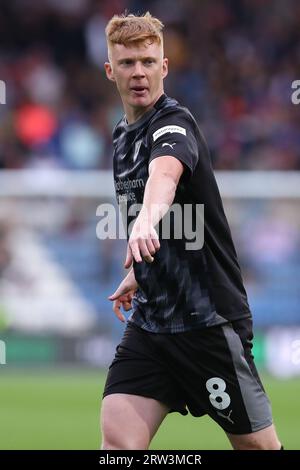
[170, 145]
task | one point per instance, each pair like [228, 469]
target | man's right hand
[124, 294]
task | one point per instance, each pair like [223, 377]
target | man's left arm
[164, 175]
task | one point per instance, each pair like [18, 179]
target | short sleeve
[173, 135]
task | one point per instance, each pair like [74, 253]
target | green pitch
[60, 410]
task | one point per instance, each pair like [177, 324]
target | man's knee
[114, 438]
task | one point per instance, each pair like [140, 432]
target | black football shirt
[187, 286]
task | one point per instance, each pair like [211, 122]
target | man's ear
[165, 67]
[109, 72]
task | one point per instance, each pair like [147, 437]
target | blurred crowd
[232, 64]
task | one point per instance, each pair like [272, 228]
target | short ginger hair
[129, 29]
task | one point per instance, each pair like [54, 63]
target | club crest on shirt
[137, 147]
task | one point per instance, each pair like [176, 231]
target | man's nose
[138, 70]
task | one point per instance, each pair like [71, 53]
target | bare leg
[130, 421]
[266, 439]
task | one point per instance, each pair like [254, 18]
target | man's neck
[134, 114]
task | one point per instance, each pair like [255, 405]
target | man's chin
[140, 101]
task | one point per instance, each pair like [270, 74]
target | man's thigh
[265, 439]
[130, 421]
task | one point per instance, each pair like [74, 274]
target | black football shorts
[206, 371]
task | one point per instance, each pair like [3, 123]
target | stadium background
[232, 63]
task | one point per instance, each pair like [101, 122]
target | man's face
[138, 71]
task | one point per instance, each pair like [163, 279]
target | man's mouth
[139, 90]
